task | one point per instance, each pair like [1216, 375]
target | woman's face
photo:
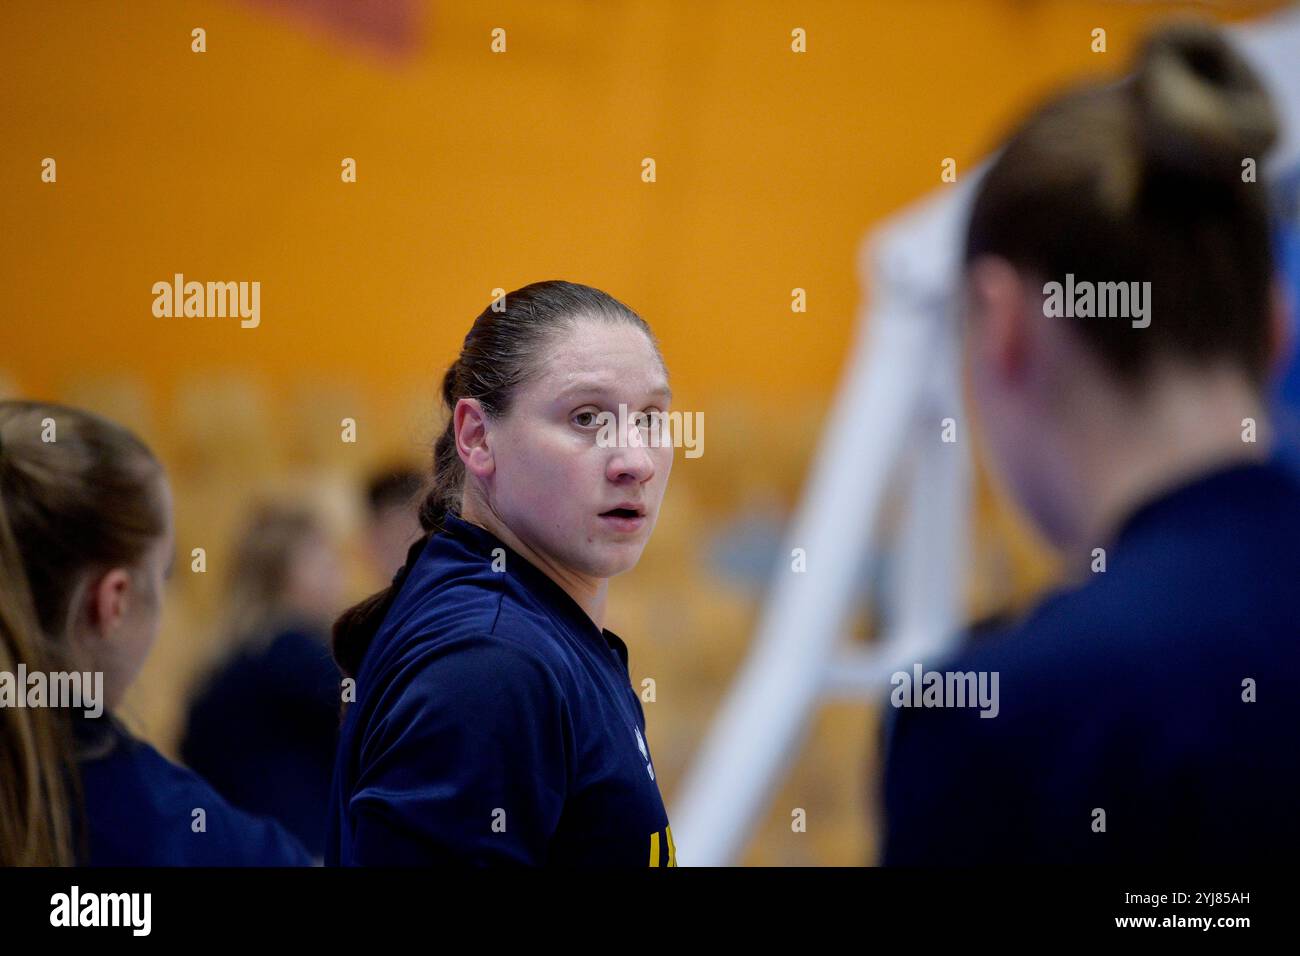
[315, 581]
[553, 483]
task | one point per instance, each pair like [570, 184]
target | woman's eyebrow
[579, 388]
[591, 387]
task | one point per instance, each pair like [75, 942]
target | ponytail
[34, 741]
[356, 627]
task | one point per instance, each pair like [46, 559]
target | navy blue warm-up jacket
[494, 724]
[1164, 693]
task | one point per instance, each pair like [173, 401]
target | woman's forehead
[602, 356]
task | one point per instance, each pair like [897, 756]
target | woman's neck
[587, 592]
[1183, 426]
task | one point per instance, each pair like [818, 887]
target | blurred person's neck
[589, 593]
[1131, 449]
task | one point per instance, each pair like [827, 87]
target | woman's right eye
[584, 419]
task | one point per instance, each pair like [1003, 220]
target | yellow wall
[478, 171]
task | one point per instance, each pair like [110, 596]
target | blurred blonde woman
[85, 549]
[263, 725]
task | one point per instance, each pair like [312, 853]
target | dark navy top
[263, 730]
[1129, 695]
[140, 811]
[494, 723]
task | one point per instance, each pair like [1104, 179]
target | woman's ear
[1001, 316]
[108, 601]
[472, 443]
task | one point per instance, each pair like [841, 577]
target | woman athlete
[494, 721]
[1148, 711]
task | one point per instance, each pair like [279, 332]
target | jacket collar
[1250, 483]
[483, 543]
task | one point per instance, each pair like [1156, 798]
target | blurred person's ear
[108, 601]
[1001, 332]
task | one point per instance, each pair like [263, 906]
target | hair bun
[1201, 107]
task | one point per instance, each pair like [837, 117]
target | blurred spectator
[392, 499]
[262, 728]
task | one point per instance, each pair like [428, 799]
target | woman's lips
[622, 520]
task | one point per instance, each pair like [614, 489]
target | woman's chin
[613, 558]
